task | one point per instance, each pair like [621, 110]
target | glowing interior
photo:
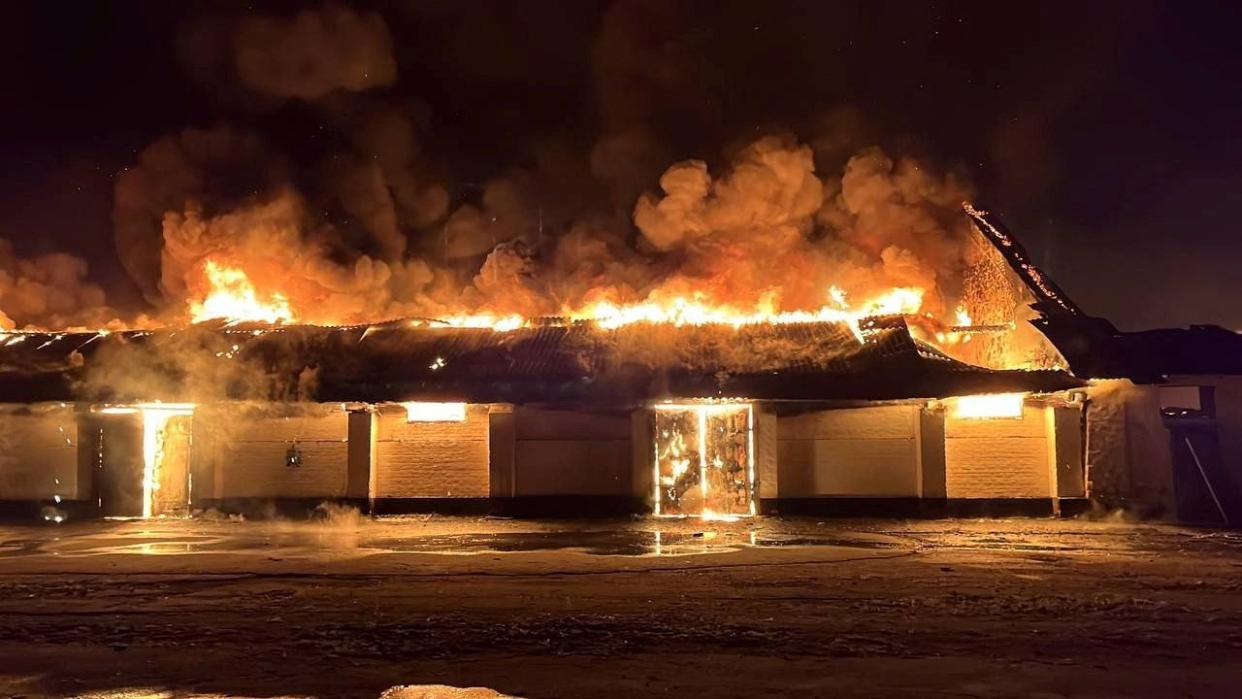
[991, 405]
[704, 460]
[435, 412]
[155, 417]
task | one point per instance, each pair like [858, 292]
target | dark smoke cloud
[315, 52]
[383, 180]
[649, 87]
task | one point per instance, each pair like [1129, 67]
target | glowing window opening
[434, 412]
[991, 406]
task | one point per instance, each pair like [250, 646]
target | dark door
[1205, 490]
[118, 464]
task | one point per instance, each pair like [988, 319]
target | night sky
[1107, 135]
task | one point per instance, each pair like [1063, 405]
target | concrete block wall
[431, 459]
[247, 449]
[39, 453]
[860, 452]
[561, 452]
[999, 457]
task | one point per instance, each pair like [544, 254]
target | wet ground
[406, 535]
[350, 606]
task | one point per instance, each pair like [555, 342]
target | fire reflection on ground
[440, 536]
[348, 536]
[410, 691]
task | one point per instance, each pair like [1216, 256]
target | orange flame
[680, 311]
[233, 298]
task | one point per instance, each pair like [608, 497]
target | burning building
[679, 409]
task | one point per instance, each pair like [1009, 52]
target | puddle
[19, 547]
[411, 691]
[614, 542]
[440, 691]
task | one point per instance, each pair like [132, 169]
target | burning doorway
[704, 460]
[166, 459]
[142, 456]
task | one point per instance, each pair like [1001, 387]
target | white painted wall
[560, 452]
[861, 452]
[38, 452]
[431, 459]
[999, 457]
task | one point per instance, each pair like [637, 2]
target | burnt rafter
[1050, 298]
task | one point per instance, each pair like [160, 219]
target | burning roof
[552, 361]
[608, 354]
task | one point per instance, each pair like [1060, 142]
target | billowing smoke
[546, 243]
[876, 225]
[368, 224]
[382, 181]
[276, 241]
[214, 170]
[49, 290]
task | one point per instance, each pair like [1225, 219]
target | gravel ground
[350, 607]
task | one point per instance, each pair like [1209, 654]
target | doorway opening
[142, 457]
[704, 460]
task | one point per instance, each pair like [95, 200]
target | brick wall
[863, 452]
[998, 457]
[249, 446]
[431, 459]
[38, 452]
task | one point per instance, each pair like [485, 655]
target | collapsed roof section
[1093, 347]
[549, 363]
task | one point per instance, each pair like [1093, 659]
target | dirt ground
[351, 607]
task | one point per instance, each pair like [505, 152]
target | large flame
[683, 311]
[233, 297]
[697, 310]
